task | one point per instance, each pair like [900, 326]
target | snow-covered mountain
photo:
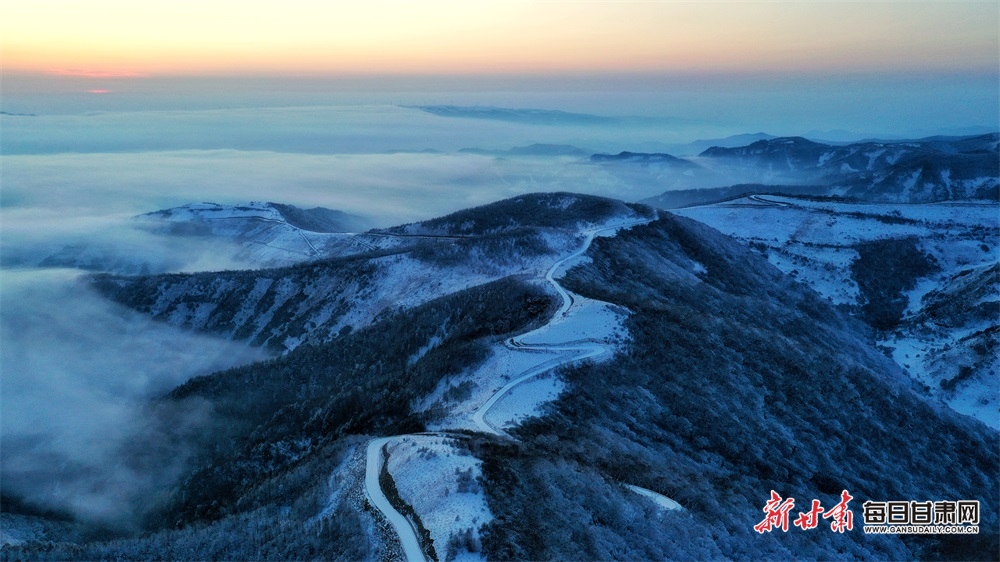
[926, 275]
[377, 271]
[201, 236]
[699, 146]
[269, 234]
[643, 158]
[928, 170]
[550, 376]
[919, 171]
[650, 172]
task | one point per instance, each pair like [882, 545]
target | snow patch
[524, 401]
[814, 240]
[434, 342]
[659, 499]
[441, 483]
[587, 320]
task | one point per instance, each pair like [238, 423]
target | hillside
[265, 234]
[923, 171]
[924, 276]
[527, 212]
[400, 267]
[589, 381]
[736, 381]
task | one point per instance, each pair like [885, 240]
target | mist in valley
[79, 374]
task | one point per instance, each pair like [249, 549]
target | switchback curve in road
[572, 352]
[407, 534]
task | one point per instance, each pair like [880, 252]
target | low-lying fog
[77, 375]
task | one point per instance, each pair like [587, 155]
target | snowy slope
[265, 235]
[281, 308]
[197, 237]
[441, 483]
[918, 171]
[817, 242]
[384, 271]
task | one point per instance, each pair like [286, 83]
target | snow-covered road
[569, 351]
[574, 353]
[373, 468]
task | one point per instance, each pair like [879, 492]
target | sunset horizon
[119, 39]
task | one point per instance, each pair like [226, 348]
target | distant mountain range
[699, 146]
[244, 235]
[934, 169]
[643, 158]
[921, 171]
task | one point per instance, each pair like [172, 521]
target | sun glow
[117, 38]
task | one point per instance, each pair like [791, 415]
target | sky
[898, 67]
[305, 37]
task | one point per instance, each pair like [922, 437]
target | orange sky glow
[111, 38]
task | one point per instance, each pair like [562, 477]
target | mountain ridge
[729, 379]
[402, 266]
[927, 170]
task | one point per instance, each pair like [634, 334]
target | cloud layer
[78, 373]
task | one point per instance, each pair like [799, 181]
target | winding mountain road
[572, 352]
[373, 468]
[578, 353]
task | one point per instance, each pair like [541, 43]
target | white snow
[813, 242]
[582, 328]
[930, 356]
[441, 483]
[511, 385]
[405, 282]
[524, 401]
[262, 236]
[587, 320]
[980, 401]
[494, 373]
[434, 342]
[659, 499]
